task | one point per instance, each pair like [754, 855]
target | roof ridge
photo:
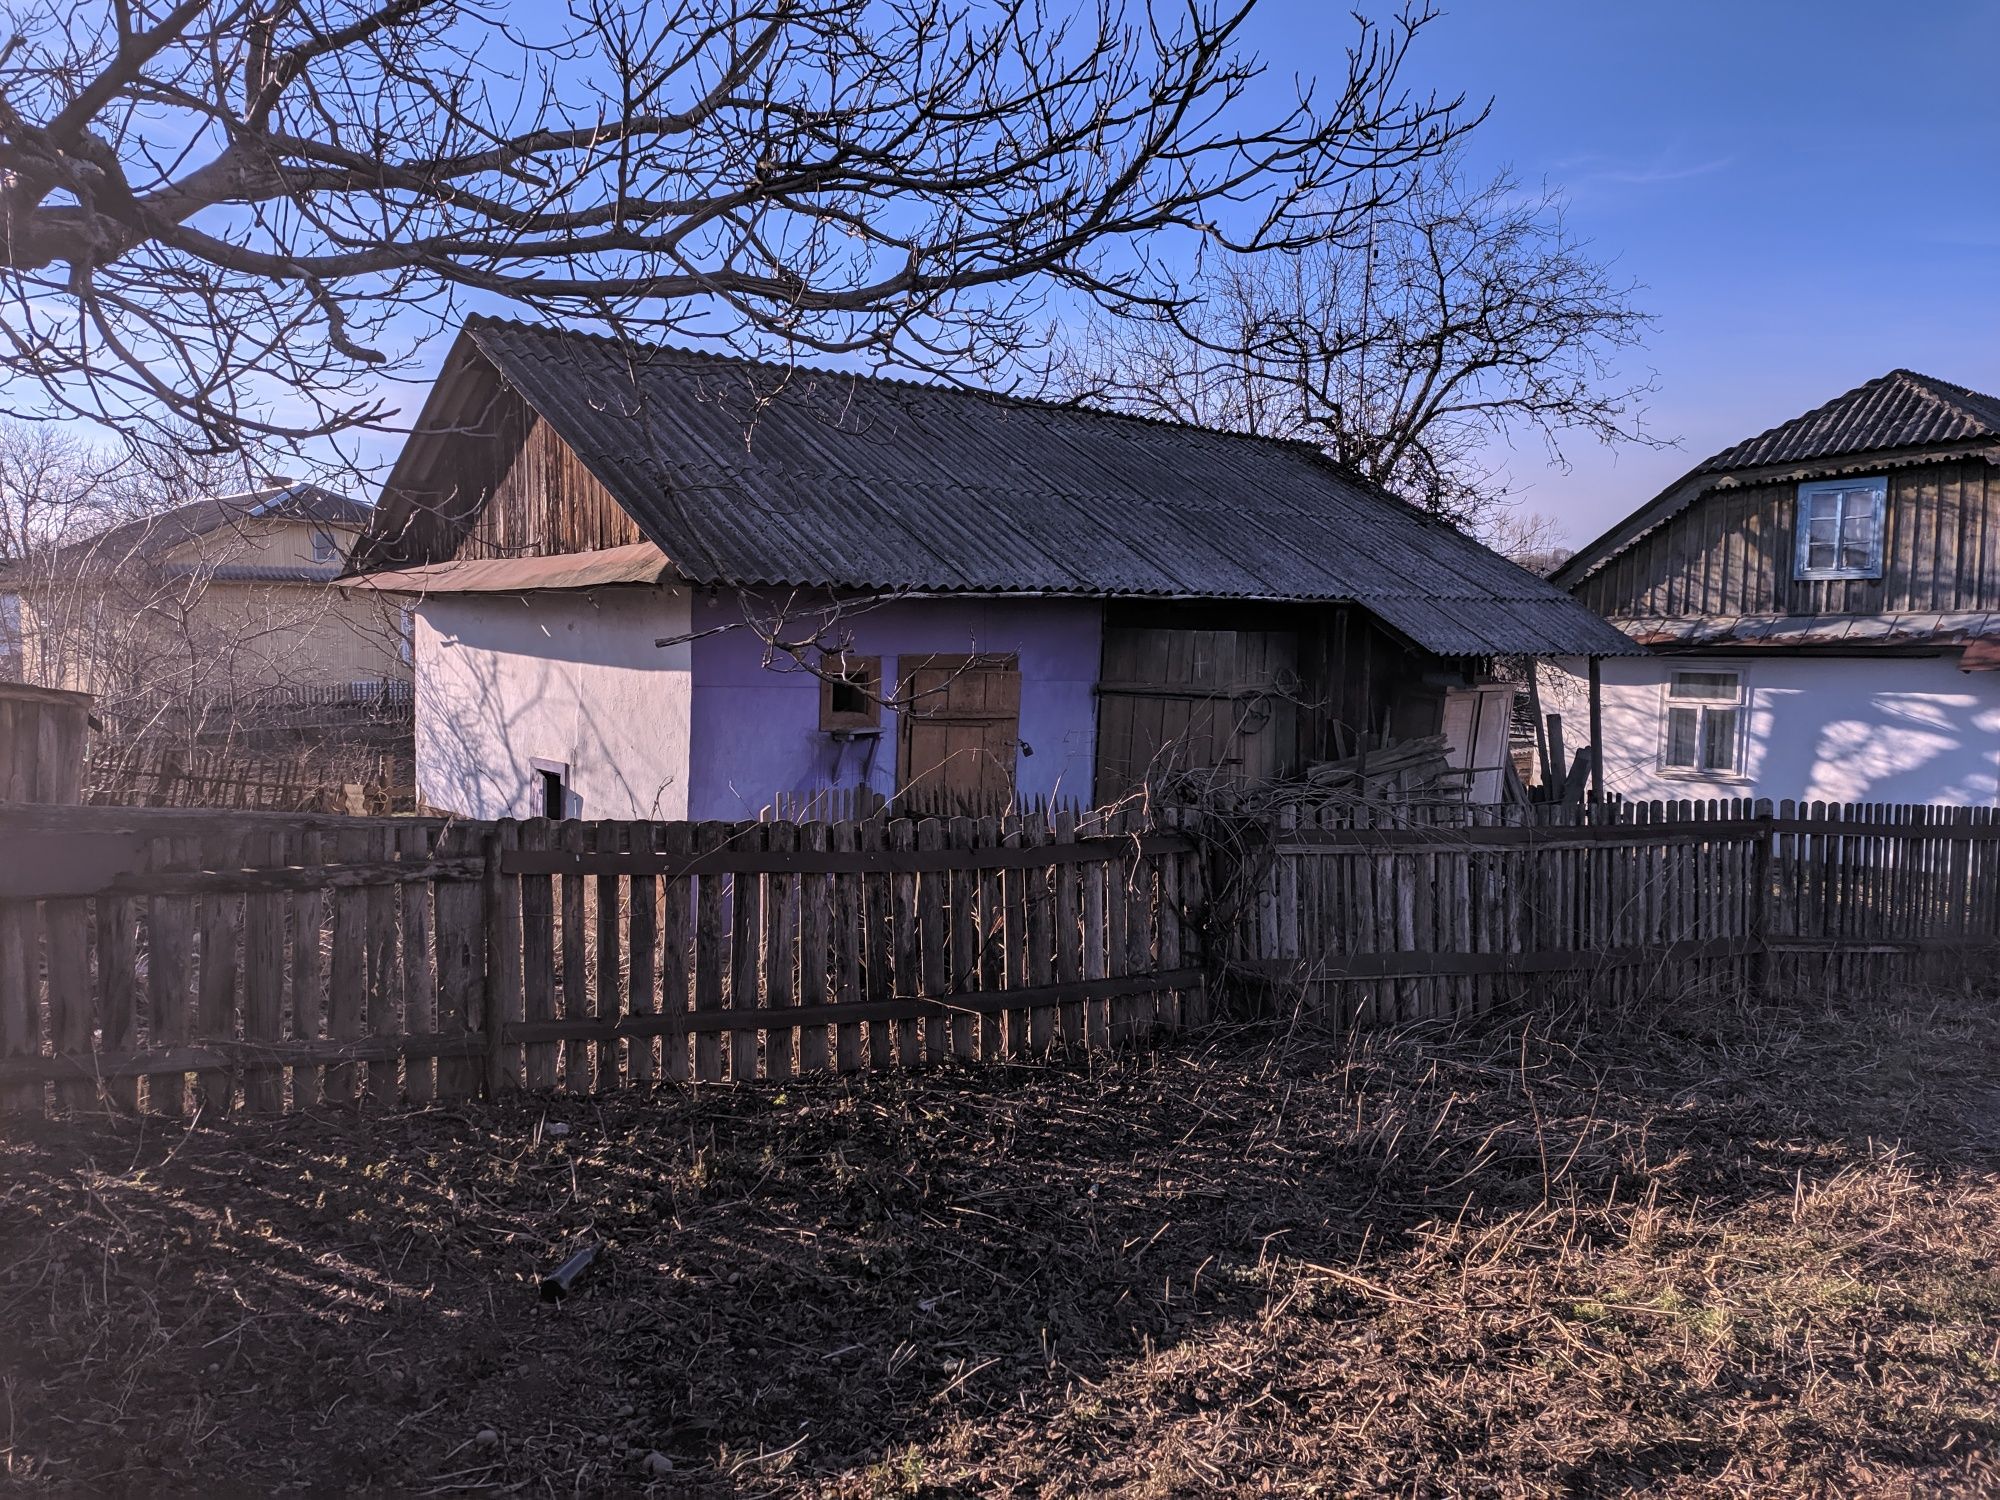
[896, 382]
[1805, 416]
[1940, 389]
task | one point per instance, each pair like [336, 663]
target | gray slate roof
[1899, 410]
[747, 473]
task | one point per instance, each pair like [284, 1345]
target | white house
[1823, 606]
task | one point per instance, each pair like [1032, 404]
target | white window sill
[1713, 778]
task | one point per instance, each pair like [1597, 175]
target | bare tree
[241, 213]
[1442, 319]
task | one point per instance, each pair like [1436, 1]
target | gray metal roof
[749, 474]
[1899, 410]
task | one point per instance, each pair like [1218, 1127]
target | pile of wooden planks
[1405, 769]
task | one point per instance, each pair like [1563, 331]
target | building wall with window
[1882, 540]
[515, 688]
[765, 720]
[1881, 728]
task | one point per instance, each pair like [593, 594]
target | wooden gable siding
[542, 501]
[1732, 553]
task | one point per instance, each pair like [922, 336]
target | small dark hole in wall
[554, 796]
[849, 697]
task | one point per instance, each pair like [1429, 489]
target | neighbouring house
[655, 583]
[222, 600]
[1822, 604]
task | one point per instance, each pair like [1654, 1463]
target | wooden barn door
[1175, 700]
[959, 729]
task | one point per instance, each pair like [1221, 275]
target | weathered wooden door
[1172, 700]
[959, 731]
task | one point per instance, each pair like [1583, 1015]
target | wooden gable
[539, 498]
[487, 476]
[1732, 551]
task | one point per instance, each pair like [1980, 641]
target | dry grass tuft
[1719, 1249]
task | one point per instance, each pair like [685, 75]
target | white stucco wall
[1831, 729]
[567, 678]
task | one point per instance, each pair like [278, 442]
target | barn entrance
[959, 727]
[1175, 700]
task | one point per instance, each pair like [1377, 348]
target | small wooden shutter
[959, 731]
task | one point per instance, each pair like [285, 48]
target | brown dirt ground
[1718, 1250]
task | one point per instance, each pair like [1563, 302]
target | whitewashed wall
[1832, 729]
[568, 678]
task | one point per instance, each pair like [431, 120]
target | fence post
[502, 986]
[1760, 900]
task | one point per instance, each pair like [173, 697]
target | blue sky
[1806, 192]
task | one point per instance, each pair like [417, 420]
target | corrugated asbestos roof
[751, 474]
[1899, 410]
[1892, 414]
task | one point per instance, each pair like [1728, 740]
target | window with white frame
[1704, 723]
[326, 548]
[1840, 528]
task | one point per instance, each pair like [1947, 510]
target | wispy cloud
[1596, 172]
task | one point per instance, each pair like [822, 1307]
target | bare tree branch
[235, 214]
[1441, 320]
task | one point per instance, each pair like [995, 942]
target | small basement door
[959, 729]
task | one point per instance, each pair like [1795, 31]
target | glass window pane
[1819, 555]
[1718, 739]
[1824, 505]
[1682, 726]
[1705, 685]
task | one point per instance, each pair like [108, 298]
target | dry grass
[1724, 1250]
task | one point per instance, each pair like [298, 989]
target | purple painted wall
[755, 730]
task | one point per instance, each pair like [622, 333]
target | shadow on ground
[1680, 1253]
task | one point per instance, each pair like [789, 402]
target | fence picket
[263, 978]
[642, 980]
[783, 910]
[816, 916]
[607, 1065]
[573, 939]
[460, 939]
[538, 956]
[850, 947]
[933, 924]
[964, 895]
[385, 974]
[420, 967]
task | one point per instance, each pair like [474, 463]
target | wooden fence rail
[182, 960]
[1378, 915]
[268, 961]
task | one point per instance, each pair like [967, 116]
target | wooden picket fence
[270, 962]
[179, 960]
[1372, 915]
